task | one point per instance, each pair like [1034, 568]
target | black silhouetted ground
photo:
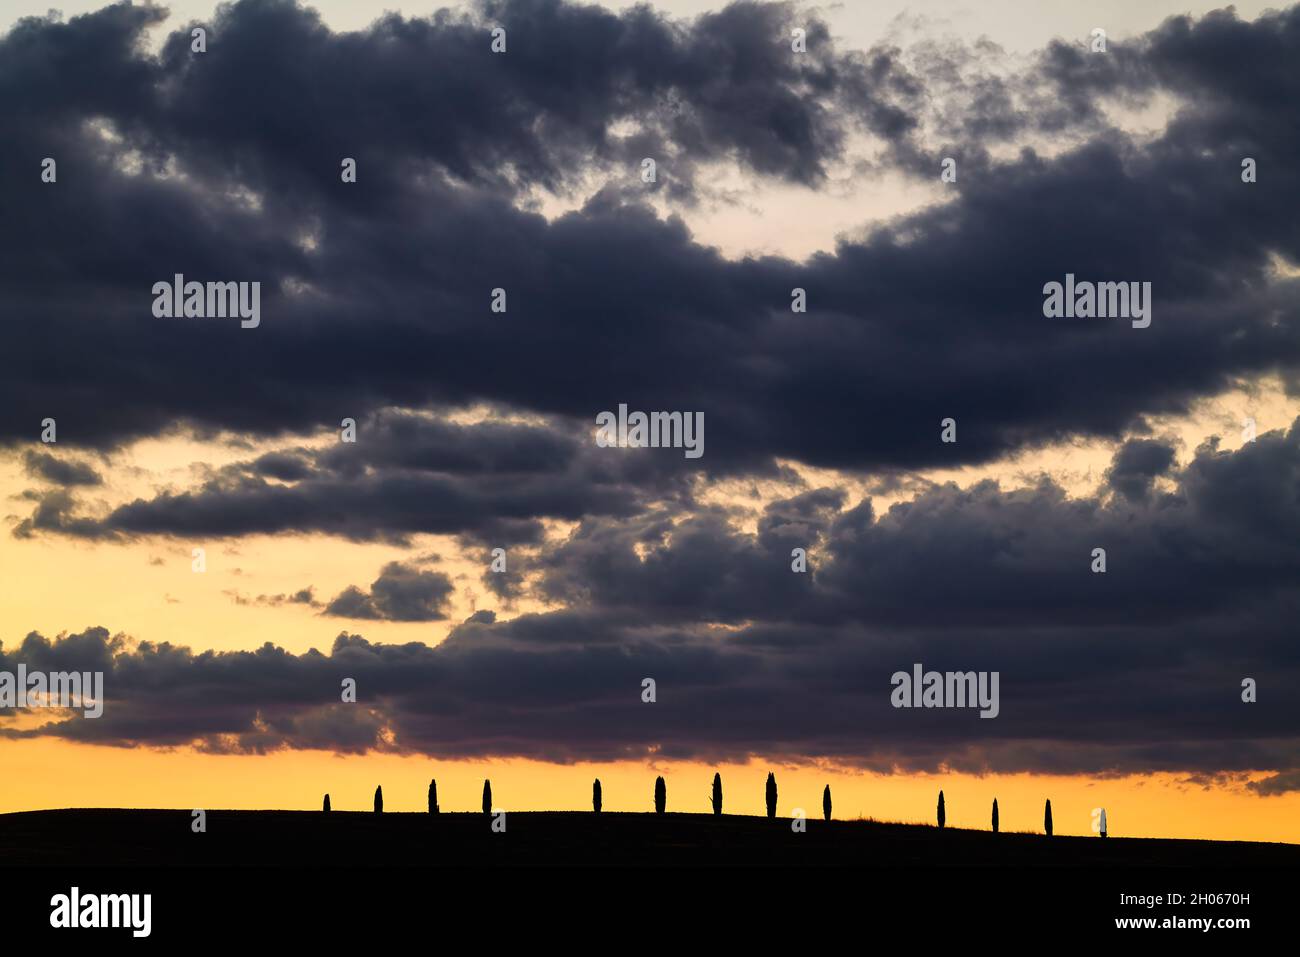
[343, 838]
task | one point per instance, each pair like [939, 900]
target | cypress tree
[826, 803]
[433, 797]
[487, 797]
[661, 795]
[771, 794]
[595, 796]
[942, 815]
[1047, 818]
[379, 799]
[717, 793]
[995, 815]
[327, 803]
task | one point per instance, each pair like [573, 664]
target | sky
[518, 177]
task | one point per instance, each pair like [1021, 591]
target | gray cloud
[1138, 463]
[491, 482]
[383, 317]
[60, 471]
[363, 322]
[1132, 671]
[400, 593]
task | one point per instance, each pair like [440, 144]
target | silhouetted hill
[342, 838]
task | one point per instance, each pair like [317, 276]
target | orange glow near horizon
[145, 589]
[41, 774]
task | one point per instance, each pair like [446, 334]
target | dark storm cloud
[54, 514]
[567, 687]
[1277, 783]
[1100, 674]
[388, 508]
[507, 584]
[1136, 466]
[1226, 537]
[724, 85]
[224, 166]
[60, 471]
[933, 315]
[697, 568]
[491, 482]
[400, 593]
[285, 466]
[1194, 57]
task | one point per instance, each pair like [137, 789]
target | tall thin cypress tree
[595, 796]
[717, 793]
[771, 794]
[826, 803]
[942, 814]
[661, 795]
[379, 799]
[327, 803]
[433, 797]
[487, 797]
[1047, 818]
[995, 815]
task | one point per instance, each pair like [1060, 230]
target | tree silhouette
[995, 815]
[942, 815]
[717, 793]
[1047, 818]
[487, 797]
[771, 794]
[595, 796]
[433, 797]
[379, 799]
[661, 795]
[826, 803]
[327, 803]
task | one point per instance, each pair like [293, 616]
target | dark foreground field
[311, 838]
